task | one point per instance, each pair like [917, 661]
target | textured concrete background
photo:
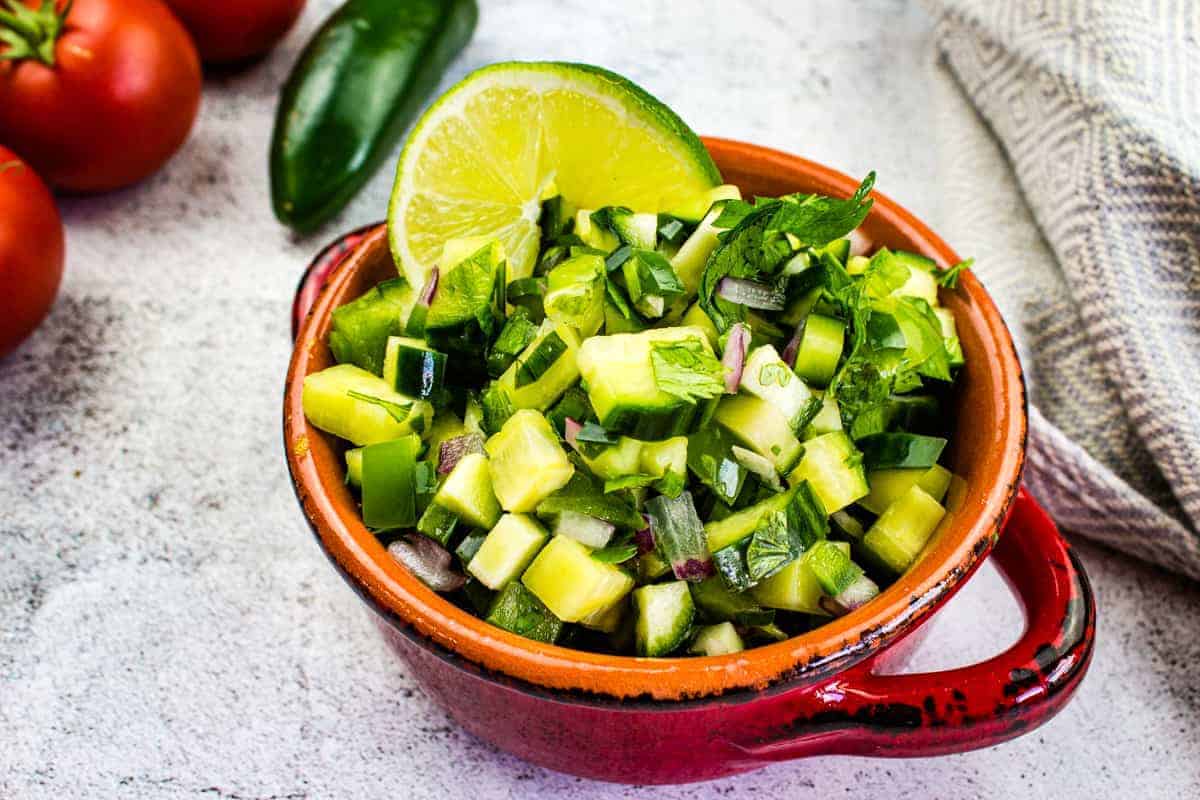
[170, 629]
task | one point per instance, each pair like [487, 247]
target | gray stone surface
[171, 630]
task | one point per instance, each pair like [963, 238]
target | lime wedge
[483, 157]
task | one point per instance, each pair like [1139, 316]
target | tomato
[236, 30]
[31, 250]
[102, 99]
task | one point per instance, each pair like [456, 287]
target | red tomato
[31, 250]
[117, 102]
[235, 30]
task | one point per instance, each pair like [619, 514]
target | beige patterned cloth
[1096, 104]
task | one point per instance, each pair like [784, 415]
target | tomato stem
[31, 33]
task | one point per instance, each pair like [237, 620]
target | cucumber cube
[820, 349]
[766, 377]
[606, 620]
[796, 587]
[550, 384]
[516, 609]
[666, 461]
[717, 640]
[900, 533]
[664, 617]
[887, 485]
[690, 259]
[467, 492]
[832, 466]
[827, 420]
[737, 526]
[571, 583]
[527, 463]
[921, 283]
[594, 235]
[832, 566]
[354, 466]
[507, 550]
[350, 402]
[761, 428]
[696, 318]
[619, 374]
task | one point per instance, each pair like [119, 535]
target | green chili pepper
[357, 86]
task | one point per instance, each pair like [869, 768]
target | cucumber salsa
[677, 436]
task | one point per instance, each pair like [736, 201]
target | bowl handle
[955, 710]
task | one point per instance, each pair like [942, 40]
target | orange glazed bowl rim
[989, 452]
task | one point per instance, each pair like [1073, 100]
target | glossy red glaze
[677, 720]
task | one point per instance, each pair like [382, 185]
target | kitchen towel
[1096, 104]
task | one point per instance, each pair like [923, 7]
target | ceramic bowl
[674, 720]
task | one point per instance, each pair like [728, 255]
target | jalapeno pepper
[357, 86]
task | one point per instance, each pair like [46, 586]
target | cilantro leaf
[616, 553]
[593, 432]
[687, 370]
[949, 278]
[397, 411]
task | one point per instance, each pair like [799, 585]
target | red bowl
[675, 720]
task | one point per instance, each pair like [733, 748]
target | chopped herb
[687, 370]
[615, 553]
[949, 278]
[397, 411]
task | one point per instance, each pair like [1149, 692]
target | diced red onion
[693, 569]
[452, 451]
[860, 245]
[734, 357]
[793, 346]
[588, 531]
[751, 294]
[427, 291]
[759, 465]
[428, 561]
[571, 429]
[645, 538]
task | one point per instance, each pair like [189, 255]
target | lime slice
[483, 157]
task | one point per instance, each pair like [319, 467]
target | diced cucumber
[446, 425]
[468, 492]
[651, 282]
[469, 546]
[795, 587]
[830, 563]
[571, 583]
[516, 609]
[617, 460]
[634, 229]
[664, 617]
[606, 620]
[717, 640]
[838, 248]
[413, 367]
[389, 497]
[589, 531]
[518, 331]
[651, 566]
[594, 235]
[900, 450]
[667, 462]
[575, 294]
[833, 467]
[526, 294]
[887, 485]
[527, 463]
[801, 307]
[950, 335]
[760, 427]
[552, 379]
[438, 523]
[508, 549]
[827, 420]
[857, 265]
[690, 259]
[350, 402]
[820, 349]
[354, 466]
[361, 327]
[619, 375]
[922, 280]
[766, 377]
[695, 317]
[717, 602]
[739, 525]
[900, 533]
